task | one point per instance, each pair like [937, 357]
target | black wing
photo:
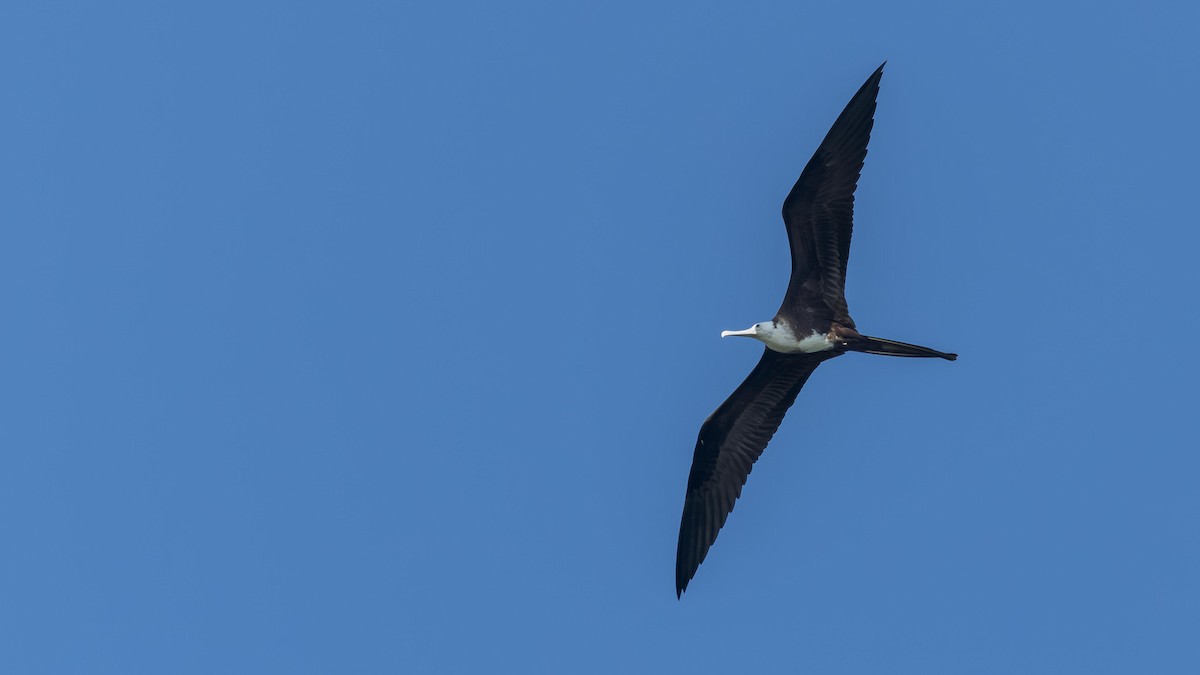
[819, 211]
[731, 439]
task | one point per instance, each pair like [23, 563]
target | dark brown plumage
[818, 213]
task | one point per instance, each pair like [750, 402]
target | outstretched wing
[731, 439]
[819, 211]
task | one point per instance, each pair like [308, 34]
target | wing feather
[819, 210]
[730, 441]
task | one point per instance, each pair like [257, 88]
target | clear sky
[375, 337]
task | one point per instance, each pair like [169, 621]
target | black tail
[872, 345]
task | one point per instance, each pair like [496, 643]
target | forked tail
[873, 345]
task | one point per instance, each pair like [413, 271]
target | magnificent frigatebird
[813, 325]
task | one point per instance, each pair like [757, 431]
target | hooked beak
[749, 332]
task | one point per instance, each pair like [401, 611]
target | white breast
[781, 339]
[816, 342]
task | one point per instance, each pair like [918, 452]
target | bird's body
[812, 326]
[779, 335]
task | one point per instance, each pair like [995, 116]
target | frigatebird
[812, 326]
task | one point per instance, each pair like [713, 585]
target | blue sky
[375, 337]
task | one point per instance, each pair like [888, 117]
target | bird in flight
[813, 325]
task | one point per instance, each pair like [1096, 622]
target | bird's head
[759, 331]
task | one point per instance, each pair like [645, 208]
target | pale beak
[749, 332]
